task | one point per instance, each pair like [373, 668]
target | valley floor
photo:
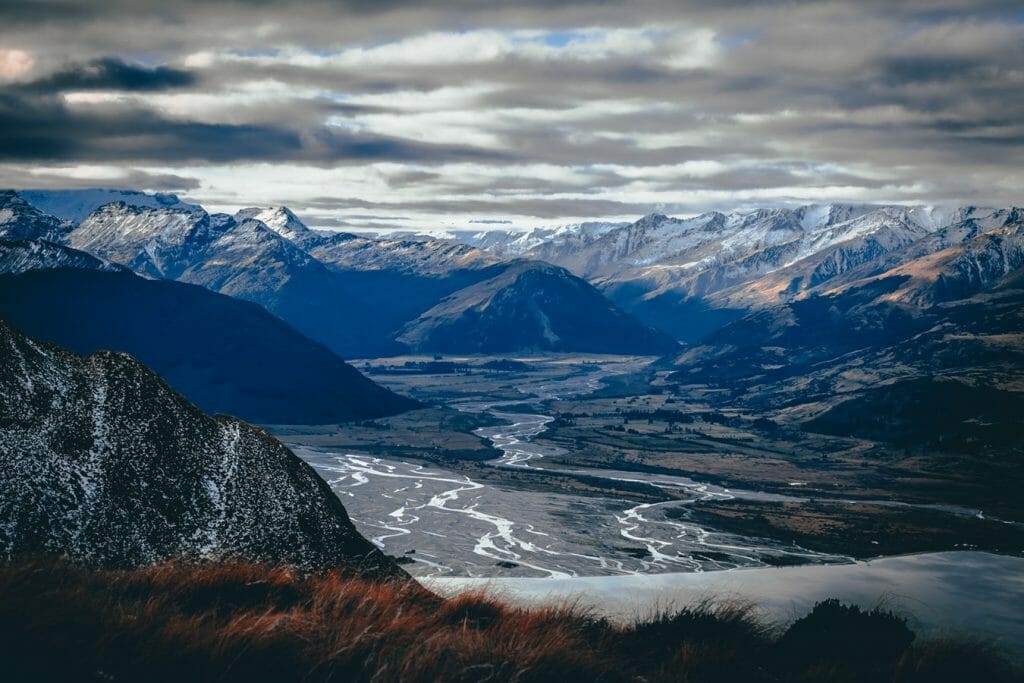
[582, 465]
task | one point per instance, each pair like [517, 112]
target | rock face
[531, 305]
[226, 355]
[105, 463]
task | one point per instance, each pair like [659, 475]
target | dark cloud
[111, 73]
[128, 179]
[900, 71]
[920, 99]
[46, 130]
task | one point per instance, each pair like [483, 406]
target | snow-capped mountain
[415, 256]
[240, 258]
[280, 219]
[159, 242]
[248, 260]
[20, 220]
[690, 275]
[950, 305]
[107, 464]
[538, 242]
[76, 205]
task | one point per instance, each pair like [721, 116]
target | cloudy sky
[434, 114]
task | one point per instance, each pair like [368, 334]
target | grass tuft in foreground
[234, 622]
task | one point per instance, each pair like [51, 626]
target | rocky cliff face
[105, 463]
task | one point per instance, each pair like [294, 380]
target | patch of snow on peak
[280, 219]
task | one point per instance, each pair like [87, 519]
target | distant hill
[228, 356]
[531, 305]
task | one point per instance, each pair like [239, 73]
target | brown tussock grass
[228, 622]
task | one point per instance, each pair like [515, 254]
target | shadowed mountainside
[228, 356]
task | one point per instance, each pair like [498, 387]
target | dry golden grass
[228, 622]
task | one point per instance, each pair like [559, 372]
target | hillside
[106, 464]
[226, 355]
[531, 305]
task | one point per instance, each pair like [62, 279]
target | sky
[432, 115]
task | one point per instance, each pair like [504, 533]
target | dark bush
[845, 642]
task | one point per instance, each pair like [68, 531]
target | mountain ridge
[110, 466]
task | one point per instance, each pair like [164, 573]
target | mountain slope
[227, 355]
[20, 220]
[240, 258]
[20, 256]
[531, 305]
[107, 464]
[922, 344]
[157, 242]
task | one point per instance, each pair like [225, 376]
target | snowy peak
[76, 205]
[280, 219]
[817, 216]
[158, 242]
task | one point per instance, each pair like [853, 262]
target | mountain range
[690, 276]
[783, 304]
[850, 320]
[358, 296]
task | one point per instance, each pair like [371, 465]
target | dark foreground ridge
[249, 623]
[103, 462]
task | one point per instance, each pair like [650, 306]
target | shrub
[845, 642]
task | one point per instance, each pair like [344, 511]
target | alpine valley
[816, 385]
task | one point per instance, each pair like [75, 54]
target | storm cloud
[452, 113]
